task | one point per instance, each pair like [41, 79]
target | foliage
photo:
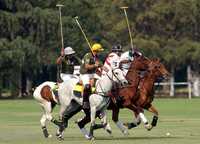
[30, 30]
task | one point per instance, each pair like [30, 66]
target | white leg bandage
[143, 118]
[85, 133]
[121, 126]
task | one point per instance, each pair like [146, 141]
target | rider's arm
[87, 64]
[59, 60]
[91, 66]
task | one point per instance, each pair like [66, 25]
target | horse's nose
[167, 76]
[125, 82]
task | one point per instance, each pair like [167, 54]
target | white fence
[172, 87]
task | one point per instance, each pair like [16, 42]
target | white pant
[66, 77]
[86, 78]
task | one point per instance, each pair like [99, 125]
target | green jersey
[69, 63]
[88, 59]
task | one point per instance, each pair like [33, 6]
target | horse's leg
[135, 123]
[92, 117]
[115, 118]
[155, 117]
[83, 122]
[105, 122]
[46, 116]
[53, 120]
[43, 124]
[141, 115]
[70, 111]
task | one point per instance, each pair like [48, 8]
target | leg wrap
[86, 93]
[154, 121]
[45, 132]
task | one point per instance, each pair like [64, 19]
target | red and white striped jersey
[111, 62]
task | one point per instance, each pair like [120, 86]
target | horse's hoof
[88, 137]
[130, 125]
[108, 128]
[60, 138]
[92, 139]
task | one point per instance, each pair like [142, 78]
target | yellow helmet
[97, 47]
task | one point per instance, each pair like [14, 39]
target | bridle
[110, 78]
[113, 75]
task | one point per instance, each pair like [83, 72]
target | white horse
[98, 101]
[45, 96]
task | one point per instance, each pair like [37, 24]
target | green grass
[19, 124]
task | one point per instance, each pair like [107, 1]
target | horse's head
[159, 70]
[117, 76]
[139, 63]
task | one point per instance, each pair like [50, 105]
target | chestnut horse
[146, 91]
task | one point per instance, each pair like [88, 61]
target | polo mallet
[129, 30]
[61, 34]
[77, 22]
[61, 30]
[127, 22]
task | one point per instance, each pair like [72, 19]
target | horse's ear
[156, 60]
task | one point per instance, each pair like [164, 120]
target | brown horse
[127, 96]
[145, 94]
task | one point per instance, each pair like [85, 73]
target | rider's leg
[86, 94]
[87, 90]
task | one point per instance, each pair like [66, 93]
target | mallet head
[124, 7]
[59, 5]
[76, 17]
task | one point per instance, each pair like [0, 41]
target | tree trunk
[28, 87]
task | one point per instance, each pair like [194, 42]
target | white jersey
[111, 62]
[126, 57]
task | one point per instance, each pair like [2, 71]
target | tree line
[30, 38]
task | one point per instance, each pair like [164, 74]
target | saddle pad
[78, 90]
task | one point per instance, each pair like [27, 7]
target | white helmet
[68, 51]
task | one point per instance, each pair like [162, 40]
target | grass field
[19, 124]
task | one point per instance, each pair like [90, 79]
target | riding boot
[86, 93]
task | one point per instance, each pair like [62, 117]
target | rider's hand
[62, 52]
[97, 64]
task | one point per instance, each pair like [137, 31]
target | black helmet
[117, 48]
[135, 52]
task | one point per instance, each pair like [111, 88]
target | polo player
[68, 61]
[127, 57]
[90, 63]
[113, 59]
